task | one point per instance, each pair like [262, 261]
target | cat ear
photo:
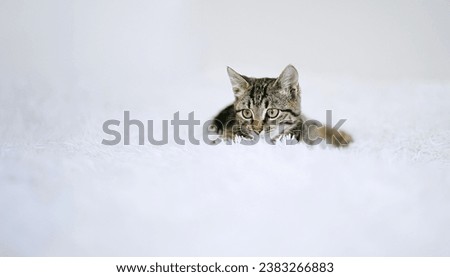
[239, 84]
[288, 79]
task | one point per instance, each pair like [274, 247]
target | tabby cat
[271, 106]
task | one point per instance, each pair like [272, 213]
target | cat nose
[257, 127]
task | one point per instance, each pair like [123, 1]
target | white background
[66, 67]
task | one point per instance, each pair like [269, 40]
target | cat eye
[247, 113]
[272, 113]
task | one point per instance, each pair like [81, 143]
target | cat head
[263, 103]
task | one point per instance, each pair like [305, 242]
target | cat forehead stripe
[259, 89]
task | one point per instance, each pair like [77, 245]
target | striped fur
[270, 106]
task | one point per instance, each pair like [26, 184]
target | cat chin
[262, 136]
